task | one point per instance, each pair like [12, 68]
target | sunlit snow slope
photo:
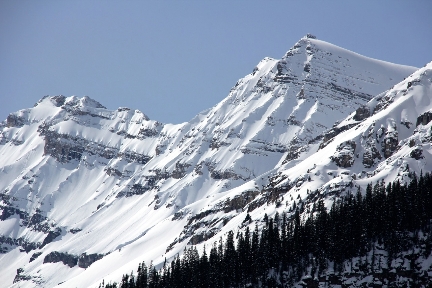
[385, 139]
[87, 193]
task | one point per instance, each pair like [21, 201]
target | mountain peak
[310, 36]
[74, 101]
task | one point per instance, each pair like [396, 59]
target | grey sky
[173, 59]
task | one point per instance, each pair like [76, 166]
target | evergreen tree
[142, 276]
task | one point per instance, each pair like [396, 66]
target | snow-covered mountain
[385, 139]
[87, 193]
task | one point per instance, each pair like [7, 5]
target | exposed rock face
[8, 211]
[350, 93]
[200, 237]
[180, 170]
[239, 201]
[14, 121]
[293, 153]
[214, 174]
[382, 102]
[34, 256]
[208, 219]
[370, 156]
[417, 153]
[75, 230]
[424, 118]
[8, 243]
[137, 189]
[201, 228]
[85, 260]
[344, 156]
[36, 222]
[328, 136]
[370, 144]
[51, 236]
[61, 151]
[77, 103]
[147, 132]
[58, 100]
[65, 148]
[20, 276]
[113, 172]
[390, 143]
[220, 175]
[67, 259]
[362, 113]
[271, 193]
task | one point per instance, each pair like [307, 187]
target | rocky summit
[87, 193]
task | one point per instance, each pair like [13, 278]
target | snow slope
[87, 193]
[392, 141]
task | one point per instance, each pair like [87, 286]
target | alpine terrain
[87, 193]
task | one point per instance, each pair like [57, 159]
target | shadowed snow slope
[87, 193]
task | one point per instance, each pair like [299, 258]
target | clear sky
[173, 59]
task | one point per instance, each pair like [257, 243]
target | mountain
[88, 193]
[385, 139]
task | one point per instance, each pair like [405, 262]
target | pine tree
[214, 266]
[255, 256]
[125, 281]
[142, 276]
[230, 257]
[203, 271]
[132, 280]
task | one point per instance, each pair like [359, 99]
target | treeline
[391, 215]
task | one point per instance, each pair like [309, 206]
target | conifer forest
[362, 234]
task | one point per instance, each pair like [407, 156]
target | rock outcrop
[345, 154]
[65, 258]
[85, 260]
